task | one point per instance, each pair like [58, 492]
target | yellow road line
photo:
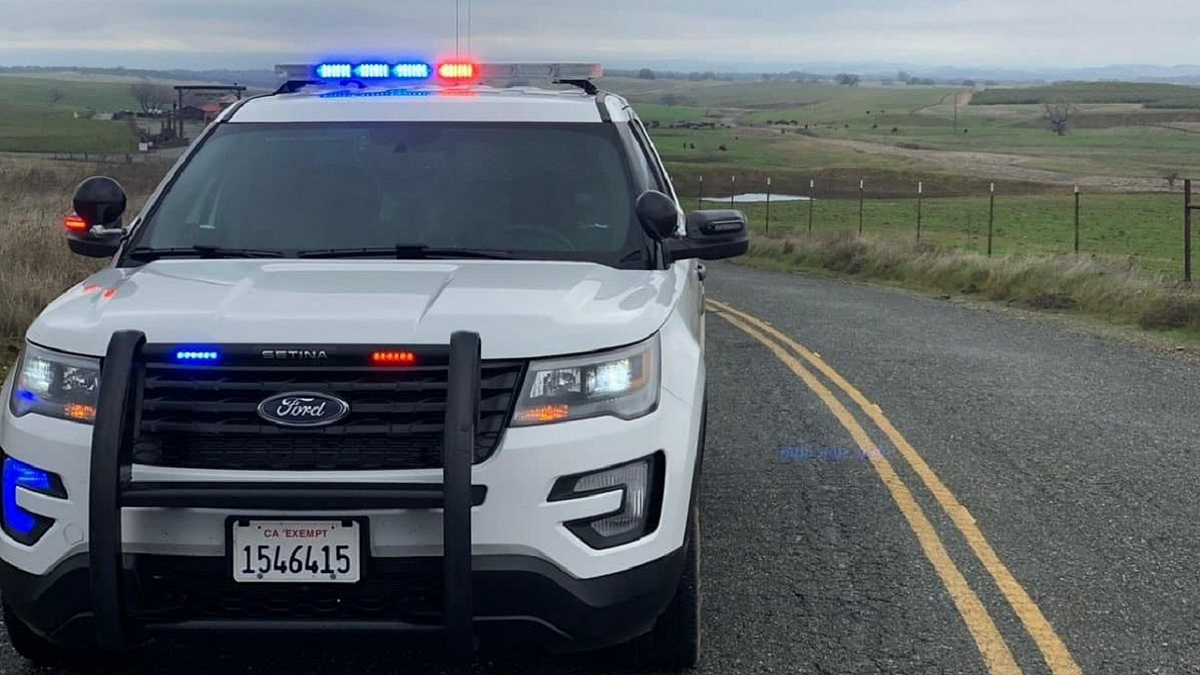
[996, 655]
[1053, 650]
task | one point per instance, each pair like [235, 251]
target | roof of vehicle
[431, 104]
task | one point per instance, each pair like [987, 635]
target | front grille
[207, 416]
[169, 589]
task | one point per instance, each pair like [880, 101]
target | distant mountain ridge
[251, 78]
[1179, 74]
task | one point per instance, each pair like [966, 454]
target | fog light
[17, 522]
[640, 484]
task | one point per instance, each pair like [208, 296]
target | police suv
[399, 348]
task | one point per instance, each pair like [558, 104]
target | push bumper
[515, 599]
[115, 612]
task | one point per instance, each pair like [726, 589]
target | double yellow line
[992, 647]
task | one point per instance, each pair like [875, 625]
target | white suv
[390, 350]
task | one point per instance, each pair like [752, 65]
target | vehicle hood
[521, 309]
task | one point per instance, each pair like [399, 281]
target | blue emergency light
[19, 474]
[197, 355]
[408, 70]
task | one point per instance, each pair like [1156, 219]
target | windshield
[535, 191]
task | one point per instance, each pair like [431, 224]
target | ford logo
[303, 409]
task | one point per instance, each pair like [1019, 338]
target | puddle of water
[757, 198]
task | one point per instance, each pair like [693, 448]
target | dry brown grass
[1112, 289]
[35, 264]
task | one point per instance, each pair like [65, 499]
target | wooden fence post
[991, 216]
[920, 189]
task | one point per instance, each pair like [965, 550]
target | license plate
[296, 551]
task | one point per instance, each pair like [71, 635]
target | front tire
[675, 640]
[33, 647]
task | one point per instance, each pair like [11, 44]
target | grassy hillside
[1144, 131]
[1152, 95]
[32, 121]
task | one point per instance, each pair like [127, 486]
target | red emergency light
[393, 358]
[458, 71]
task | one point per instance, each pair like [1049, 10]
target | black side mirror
[712, 235]
[658, 214]
[95, 231]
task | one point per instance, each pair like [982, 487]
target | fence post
[700, 200]
[732, 189]
[1076, 220]
[920, 189]
[991, 216]
[861, 196]
[768, 230]
[812, 202]
[1187, 230]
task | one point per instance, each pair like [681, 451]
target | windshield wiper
[406, 252]
[148, 254]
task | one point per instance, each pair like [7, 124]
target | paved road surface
[1021, 501]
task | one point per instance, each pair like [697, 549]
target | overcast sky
[259, 33]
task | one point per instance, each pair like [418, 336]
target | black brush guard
[112, 487]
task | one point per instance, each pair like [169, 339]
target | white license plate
[296, 551]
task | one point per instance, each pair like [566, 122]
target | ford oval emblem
[303, 409]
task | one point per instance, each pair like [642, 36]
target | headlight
[622, 383]
[56, 384]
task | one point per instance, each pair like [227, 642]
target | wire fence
[110, 158]
[1145, 228]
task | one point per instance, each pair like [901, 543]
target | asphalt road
[1022, 500]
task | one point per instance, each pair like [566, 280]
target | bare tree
[150, 96]
[1058, 114]
[1172, 176]
[55, 95]
[847, 79]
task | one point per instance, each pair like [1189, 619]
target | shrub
[1172, 310]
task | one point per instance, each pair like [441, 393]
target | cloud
[256, 33]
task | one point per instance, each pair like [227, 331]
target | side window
[646, 157]
[657, 168]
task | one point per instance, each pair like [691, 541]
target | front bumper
[518, 599]
[575, 595]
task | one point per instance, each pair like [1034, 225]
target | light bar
[541, 71]
[449, 72]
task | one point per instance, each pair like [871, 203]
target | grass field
[1122, 130]
[30, 121]
[1142, 229]
[1153, 95]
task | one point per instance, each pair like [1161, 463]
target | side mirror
[658, 214]
[712, 235]
[95, 230]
